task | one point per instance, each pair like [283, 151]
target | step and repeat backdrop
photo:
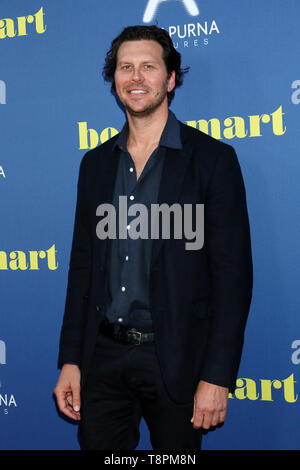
[243, 88]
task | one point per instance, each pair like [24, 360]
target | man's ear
[171, 81]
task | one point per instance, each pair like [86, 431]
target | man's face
[141, 77]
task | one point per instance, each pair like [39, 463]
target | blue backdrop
[244, 88]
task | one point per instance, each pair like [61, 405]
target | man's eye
[126, 67]
[148, 66]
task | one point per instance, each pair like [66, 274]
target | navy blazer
[199, 299]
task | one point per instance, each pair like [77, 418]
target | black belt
[125, 335]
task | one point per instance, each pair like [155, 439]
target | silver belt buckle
[133, 330]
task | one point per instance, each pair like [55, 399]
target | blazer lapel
[107, 172]
[105, 182]
[173, 172]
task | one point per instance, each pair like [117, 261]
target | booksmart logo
[237, 126]
[18, 260]
[10, 28]
[230, 128]
[269, 390]
[89, 138]
[265, 389]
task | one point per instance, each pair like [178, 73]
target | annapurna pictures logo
[7, 400]
[152, 6]
[188, 34]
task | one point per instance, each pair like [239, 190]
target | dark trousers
[125, 384]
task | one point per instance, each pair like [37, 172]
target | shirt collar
[170, 136]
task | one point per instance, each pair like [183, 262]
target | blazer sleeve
[227, 235]
[72, 331]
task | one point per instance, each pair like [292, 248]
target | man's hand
[210, 404]
[67, 391]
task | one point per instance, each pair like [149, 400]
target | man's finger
[65, 407]
[76, 398]
[60, 399]
[222, 416]
[197, 418]
[192, 420]
[69, 398]
[215, 418]
[207, 419]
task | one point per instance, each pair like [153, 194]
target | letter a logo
[2, 92]
[152, 5]
[2, 353]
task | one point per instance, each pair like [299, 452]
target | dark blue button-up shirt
[129, 259]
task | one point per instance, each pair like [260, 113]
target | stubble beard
[148, 109]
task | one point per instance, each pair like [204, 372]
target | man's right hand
[67, 391]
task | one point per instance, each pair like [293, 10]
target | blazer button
[98, 308]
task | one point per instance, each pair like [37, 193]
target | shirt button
[123, 288]
[126, 258]
[120, 319]
[131, 169]
[131, 197]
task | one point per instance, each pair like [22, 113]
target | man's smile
[137, 91]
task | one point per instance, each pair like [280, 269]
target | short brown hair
[172, 58]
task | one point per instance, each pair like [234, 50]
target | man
[152, 328]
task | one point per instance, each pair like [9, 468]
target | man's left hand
[210, 404]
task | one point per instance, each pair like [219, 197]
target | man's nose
[137, 75]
